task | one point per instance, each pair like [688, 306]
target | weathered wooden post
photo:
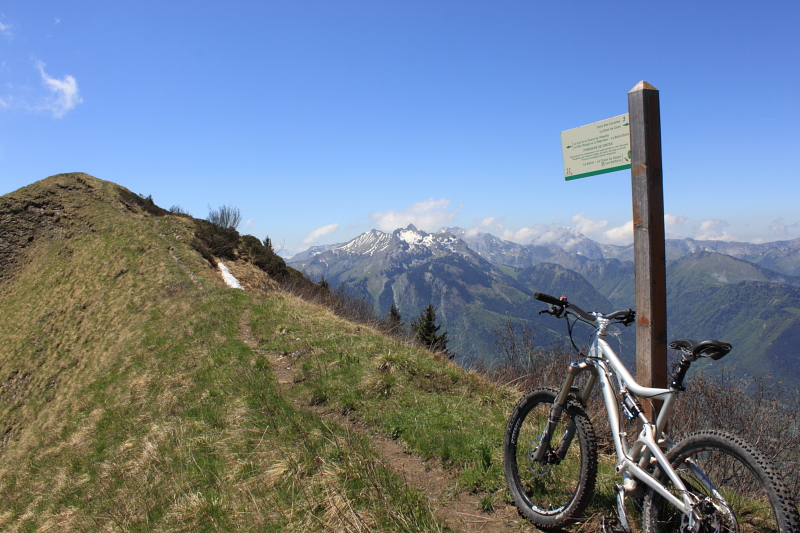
[634, 141]
[648, 235]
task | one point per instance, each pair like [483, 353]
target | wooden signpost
[634, 141]
[649, 256]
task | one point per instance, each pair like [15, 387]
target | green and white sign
[597, 148]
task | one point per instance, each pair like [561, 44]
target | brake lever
[630, 319]
[556, 311]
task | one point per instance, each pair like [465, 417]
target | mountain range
[747, 294]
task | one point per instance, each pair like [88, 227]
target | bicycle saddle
[713, 349]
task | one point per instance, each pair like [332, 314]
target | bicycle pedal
[612, 525]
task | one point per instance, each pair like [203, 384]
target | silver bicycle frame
[605, 366]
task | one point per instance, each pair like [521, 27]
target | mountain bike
[711, 481]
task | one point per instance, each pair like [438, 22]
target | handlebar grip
[552, 300]
[627, 316]
[546, 298]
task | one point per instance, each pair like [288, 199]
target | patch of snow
[230, 279]
[410, 236]
[368, 243]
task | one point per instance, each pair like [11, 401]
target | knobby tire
[754, 498]
[549, 497]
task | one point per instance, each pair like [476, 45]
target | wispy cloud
[537, 234]
[522, 235]
[484, 226]
[541, 234]
[427, 215]
[676, 227]
[621, 235]
[595, 229]
[321, 232]
[64, 93]
[6, 31]
[713, 230]
[588, 226]
[780, 228]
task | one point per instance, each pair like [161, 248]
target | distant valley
[747, 294]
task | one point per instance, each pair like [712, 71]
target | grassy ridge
[129, 402]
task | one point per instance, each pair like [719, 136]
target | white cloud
[588, 226]
[522, 235]
[621, 235]
[537, 234]
[428, 215]
[713, 230]
[65, 94]
[780, 228]
[5, 30]
[556, 233]
[487, 225]
[289, 252]
[676, 227]
[249, 222]
[321, 232]
[542, 234]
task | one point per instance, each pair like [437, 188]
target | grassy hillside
[139, 393]
[129, 400]
[716, 296]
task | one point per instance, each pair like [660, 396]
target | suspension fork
[560, 403]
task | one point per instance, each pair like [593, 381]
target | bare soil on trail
[461, 512]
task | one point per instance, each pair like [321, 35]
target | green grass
[132, 404]
[442, 412]
[129, 401]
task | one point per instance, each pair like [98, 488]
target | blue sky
[320, 120]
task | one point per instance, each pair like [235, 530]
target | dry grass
[129, 403]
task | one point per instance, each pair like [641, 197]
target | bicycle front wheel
[733, 485]
[554, 492]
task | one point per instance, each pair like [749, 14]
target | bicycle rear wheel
[735, 487]
[550, 494]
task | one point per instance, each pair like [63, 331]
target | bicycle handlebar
[546, 298]
[626, 317]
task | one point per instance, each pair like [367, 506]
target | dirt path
[461, 512]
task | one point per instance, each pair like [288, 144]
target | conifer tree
[426, 331]
[395, 320]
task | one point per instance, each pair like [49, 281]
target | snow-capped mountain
[478, 281]
[411, 268]
[376, 250]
